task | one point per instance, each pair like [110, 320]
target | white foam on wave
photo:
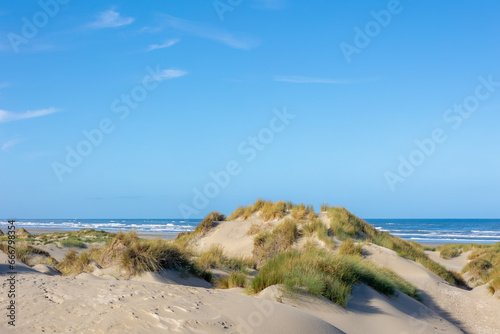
[437, 235]
[454, 240]
[161, 227]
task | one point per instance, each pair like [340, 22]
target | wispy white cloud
[10, 143]
[8, 116]
[110, 19]
[209, 32]
[300, 79]
[166, 44]
[169, 74]
[269, 4]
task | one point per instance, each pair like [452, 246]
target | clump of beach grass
[302, 212]
[235, 279]
[270, 210]
[75, 263]
[134, 256]
[325, 274]
[25, 253]
[349, 247]
[216, 257]
[450, 251]
[72, 242]
[494, 286]
[273, 210]
[257, 206]
[254, 229]
[324, 207]
[208, 222]
[242, 212]
[236, 213]
[184, 239]
[268, 244]
[322, 232]
[346, 225]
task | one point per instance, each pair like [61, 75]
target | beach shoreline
[145, 235]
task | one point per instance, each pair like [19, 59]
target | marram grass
[134, 256]
[323, 273]
[346, 225]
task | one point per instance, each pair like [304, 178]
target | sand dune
[233, 236]
[456, 263]
[89, 304]
[369, 312]
[166, 302]
[474, 311]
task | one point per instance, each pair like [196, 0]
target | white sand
[473, 311]
[232, 235]
[369, 312]
[456, 263]
[89, 304]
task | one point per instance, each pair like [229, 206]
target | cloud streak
[167, 44]
[301, 79]
[9, 143]
[208, 32]
[8, 116]
[110, 19]
[169, 74]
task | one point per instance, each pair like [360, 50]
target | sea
[419, 230]
[441, 230]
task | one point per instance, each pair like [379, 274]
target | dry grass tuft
[268, 244]
[208, 222]
[325, 274]
[242, 212]
[74, 264]
[273, 210]
[323, 233]
[216, 257]
[236, 213]
[235, 279]
[26, 253]
[349, 247]
[254, 229]
[134, 256]
[324, 207]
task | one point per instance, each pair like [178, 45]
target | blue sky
[172, 91]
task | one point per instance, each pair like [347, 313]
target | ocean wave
[454, 240]
[162, 226]
[434, 235]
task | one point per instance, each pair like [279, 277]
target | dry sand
[369, 312]
[474, 311]
[456, 263]
[89, 304]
